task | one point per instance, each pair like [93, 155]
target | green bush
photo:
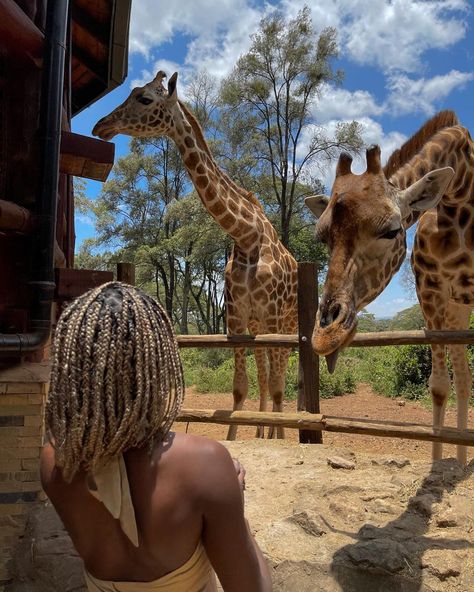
[412, 369]
[212, 378]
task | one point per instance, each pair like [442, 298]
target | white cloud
[153, 23]
[409, 96]
[339, 103]
[394, 34]
[389, 34]
[84, 219]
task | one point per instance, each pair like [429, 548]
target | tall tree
[270, 98]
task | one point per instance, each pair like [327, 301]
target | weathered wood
[206, 341]
[318, 422]
[86, 157]
[253, 418]
[19, 34]
[308, 371]
[360, 340]
[71, 283]
[411, 338]
[126, 273]
[14, 218]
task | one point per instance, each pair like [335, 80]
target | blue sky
[403, 60]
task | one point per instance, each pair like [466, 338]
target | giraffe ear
[317, 204]
[172, 92]
[427, 191]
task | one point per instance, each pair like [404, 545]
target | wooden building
[56, 58]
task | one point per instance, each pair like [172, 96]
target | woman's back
[135, 514]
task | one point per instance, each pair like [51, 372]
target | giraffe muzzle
[104, 129]
[335, 327]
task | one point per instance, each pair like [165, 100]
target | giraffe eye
[391, 234]
[144, 100]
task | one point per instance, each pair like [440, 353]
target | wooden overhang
[99, 49]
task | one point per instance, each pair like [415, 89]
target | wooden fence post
[126, 273]
[308, 372]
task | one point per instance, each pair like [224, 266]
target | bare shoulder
[207, 462]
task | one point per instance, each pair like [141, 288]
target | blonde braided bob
[116, 379]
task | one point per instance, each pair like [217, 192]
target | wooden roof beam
[95, 67]
[18, 34]
[86, 157]
[87, 22]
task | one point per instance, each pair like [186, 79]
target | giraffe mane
[414, 144]
[201, 140]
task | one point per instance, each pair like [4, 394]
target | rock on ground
[375, 524]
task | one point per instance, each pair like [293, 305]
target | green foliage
[215, 375]
[269, 100]
[408, 319]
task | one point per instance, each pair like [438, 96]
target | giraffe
[429, 181]
[261, 275]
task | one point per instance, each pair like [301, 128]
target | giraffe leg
[262, 375]
[240, 387]
[439, 389]
[276, 385]
[458, 318]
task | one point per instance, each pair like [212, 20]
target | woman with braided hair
[147, 509]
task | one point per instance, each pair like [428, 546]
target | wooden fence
[309, 421]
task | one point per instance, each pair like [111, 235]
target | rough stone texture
[384, 526]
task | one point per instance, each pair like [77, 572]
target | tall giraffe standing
[364, 222]
[261, 275]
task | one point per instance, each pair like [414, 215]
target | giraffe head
[149, 110]
[363, 224]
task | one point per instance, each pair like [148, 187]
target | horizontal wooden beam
[319, 422]
[86, 157]
[360, 339]
[71, 283]
[18, 34]
[87, 22]
[423, 337]
[271, 340]
[15, 218]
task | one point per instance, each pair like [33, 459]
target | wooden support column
[308, 380]
[126, 273]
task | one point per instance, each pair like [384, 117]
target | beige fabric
[113, 490]
[194, 576]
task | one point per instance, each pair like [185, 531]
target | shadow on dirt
[390, 558]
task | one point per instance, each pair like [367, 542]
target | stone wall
[23, 390]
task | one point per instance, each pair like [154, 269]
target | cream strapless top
[113, 490]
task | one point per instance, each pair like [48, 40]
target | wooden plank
[411, 338]
[86, 157]
[308, 371]
[263, 340]
[318, 422]
[252, 418]
[126, 273]
[71, 283]
[14, 218]
[18, 34]
[360, 340]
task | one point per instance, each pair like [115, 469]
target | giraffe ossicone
[261, 275]
[430, 180]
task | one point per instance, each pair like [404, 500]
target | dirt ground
[364, 403]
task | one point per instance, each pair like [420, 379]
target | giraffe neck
[449, 147]
[236, 211]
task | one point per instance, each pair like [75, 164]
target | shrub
[218, 379]
[412, 369]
